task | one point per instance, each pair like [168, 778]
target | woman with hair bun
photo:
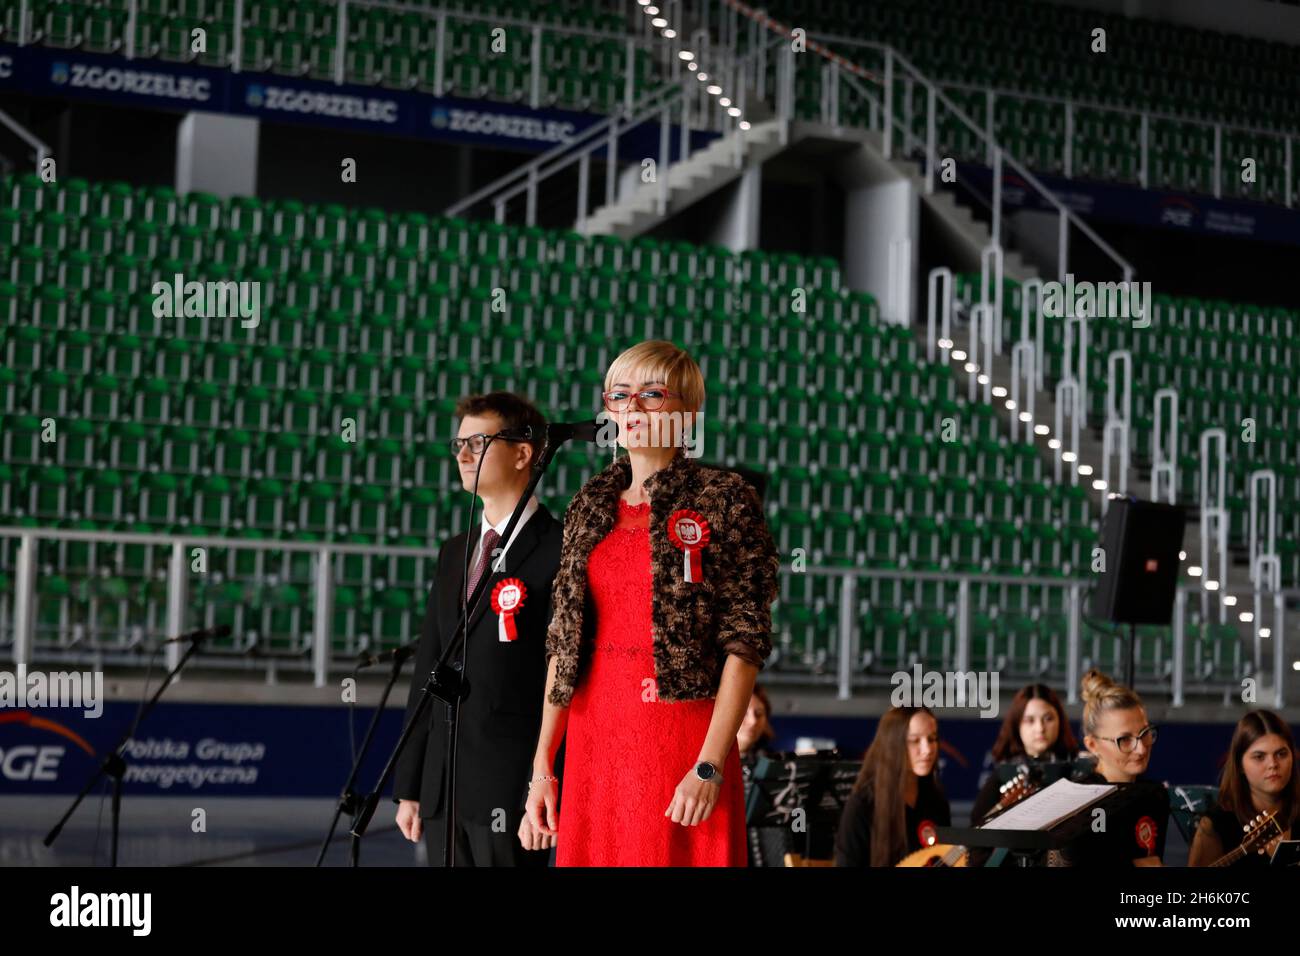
[1116, 731]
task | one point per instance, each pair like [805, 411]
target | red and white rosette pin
[689, 531]
[927, 833]
[1146, 832]
[507, 598]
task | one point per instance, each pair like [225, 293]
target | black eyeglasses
[651, 399]
[477, 443]
[1126, 742]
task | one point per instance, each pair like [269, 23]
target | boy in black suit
[501, 716]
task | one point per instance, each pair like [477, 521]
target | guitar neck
[1253, 839]
[1231, 856]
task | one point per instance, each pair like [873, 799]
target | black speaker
[1141, 541]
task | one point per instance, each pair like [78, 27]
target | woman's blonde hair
[659, 360]
[1100, 695]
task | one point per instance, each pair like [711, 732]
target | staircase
[707, 171]
[960, 221]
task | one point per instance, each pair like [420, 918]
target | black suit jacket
[501, 717]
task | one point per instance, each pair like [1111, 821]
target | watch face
[705, 771]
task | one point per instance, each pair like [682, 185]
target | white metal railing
[679, 12]
[711, 98]
[999, 158]
[940, 279]
[1144, 117]
[440, 15]
[1213, 488]
[1164, 446]
[41, 150]
[1023, 389]
[1118, 423]
[1261, 543]
[899, 72]
[1069, 110]
[178, 574]
[840, 656]
[527, 178]
[851, 660]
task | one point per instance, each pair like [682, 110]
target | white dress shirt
[500, 528]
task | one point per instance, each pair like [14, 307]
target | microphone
[397, 653]
[559, 432]
[202, 634]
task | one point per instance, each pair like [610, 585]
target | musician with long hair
[897, 804]
[1034, 731]
[1260, 776]
[756, 732]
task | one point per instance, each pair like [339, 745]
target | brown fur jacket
[695, 625]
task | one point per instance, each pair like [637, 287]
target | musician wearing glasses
[1259, 796]
[1116, 731]
[662, 621]
[499, 437]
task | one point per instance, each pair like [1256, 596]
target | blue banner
[159, 84]
[302, 751]
[1121, 202]
[185, 748]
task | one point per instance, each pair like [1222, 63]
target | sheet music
[1049, 806]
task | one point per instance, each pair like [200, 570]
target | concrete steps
[707, 171]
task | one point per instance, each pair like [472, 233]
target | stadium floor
[156, 832]
[241, 832]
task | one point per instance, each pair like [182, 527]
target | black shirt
[1134, 830]
[853, 841]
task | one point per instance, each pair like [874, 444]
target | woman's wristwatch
[707, 771]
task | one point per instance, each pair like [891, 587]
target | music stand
[818, 783]
[1027, 844]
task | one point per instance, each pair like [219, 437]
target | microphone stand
[114, 766]
[348, 801]
[446, 685]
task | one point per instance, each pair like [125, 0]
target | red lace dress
[625, 752]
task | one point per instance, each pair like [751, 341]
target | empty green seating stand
[204, 427]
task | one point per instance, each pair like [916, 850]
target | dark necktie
[490, 539]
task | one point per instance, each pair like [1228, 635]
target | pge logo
[255, 96]
[439, 118]
[59, 73]
[1178, 212]
[29, 762]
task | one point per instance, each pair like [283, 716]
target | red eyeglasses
[650, 399]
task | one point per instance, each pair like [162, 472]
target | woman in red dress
[649, 781]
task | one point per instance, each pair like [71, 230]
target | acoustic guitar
[1260, 832]
[952, 855]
